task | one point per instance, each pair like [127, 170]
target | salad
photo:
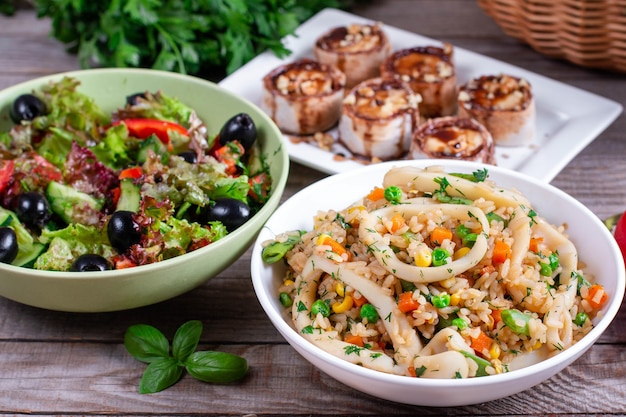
[83, 190]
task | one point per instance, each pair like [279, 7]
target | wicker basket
[589, 33]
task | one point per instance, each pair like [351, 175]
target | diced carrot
[534, 244]
[501, 252]
[497, 316]
[406, 303]
[412, 371]
[376, 194]
[336, 247]
[397, 222]
[481, 343]
[355, 340]
[358, 302]
[439, 234]
[596, 296]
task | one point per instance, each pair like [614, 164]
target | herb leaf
[146, 343]
[160, 374]
[186, 339]
[216, 367]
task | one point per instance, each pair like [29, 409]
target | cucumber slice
[27, 259]
[130, 198]
[66, 201]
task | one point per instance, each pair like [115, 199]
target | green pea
[440, 257]
[516, 321]
[553, 260]
[492, 216]
[393, 194]
[459, 323]
[545, 269]
[285, 299]
[320, 306]
[369, 313]
[462, 231]
[581, 318]
[441, 301]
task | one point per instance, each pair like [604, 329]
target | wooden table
[54, 363]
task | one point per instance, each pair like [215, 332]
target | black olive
[132, 99]
[27, 107]
[8, 245]
[33, 209]
[122, 230]
[189, 156]
[231, 212]
[240, 127]
[90, 262]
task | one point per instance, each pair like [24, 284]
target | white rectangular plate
[568, 118]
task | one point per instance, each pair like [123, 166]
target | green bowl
[149, 284]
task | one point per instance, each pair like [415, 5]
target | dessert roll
[378, 117]
[453, 137]
[504, 104]
[429, 71]
[303, 97]
[356, 49]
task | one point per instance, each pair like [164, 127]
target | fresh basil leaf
[216, 367]
[160, 374]
[146, 343]
[186, 339]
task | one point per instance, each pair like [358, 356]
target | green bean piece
[320, 306]
[516, 321]
[369, 313]
[276, 250]
[393, 194]
[285, 299]
[441, 301]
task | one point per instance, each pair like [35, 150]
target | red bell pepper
[144, 128]
[6, 172]
[132, 173]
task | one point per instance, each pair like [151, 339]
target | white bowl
[595, 245]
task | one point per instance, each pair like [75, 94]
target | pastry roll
[378, 117]
[503, 104]
[429, 71]
[356, 49]
[303, 97]
[453, 137]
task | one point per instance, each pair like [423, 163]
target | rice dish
[436, 275]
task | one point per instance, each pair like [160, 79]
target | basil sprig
[165, 367]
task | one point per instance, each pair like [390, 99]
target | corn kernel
[455, 299]
[340, 289]
[423, 256]
[495, 351]
[344, 306]
[537, 345]
[447, 283]
[460, 253]
[288, 282]
[321, 238]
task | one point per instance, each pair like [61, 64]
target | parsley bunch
[196, 37]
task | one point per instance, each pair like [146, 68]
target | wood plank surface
[54, 363]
